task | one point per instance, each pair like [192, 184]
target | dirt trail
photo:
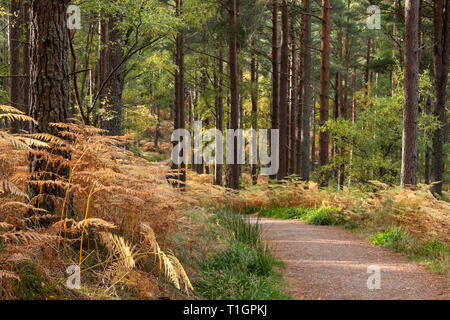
[330, 263]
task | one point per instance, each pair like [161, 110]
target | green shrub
[433, 249]
[320, 217]
[394, 238]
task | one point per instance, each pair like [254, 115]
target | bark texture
[441, 67]
[411, 89]
[324, 89]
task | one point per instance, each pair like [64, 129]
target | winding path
[330, 263]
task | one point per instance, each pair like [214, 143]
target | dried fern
[168, 263]
[27, 237]
[4, 274]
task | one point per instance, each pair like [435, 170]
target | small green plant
[320, 217]
[434, 249]
[394, 238]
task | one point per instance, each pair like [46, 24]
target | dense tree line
[352, 103]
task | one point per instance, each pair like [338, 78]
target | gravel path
[330, 263]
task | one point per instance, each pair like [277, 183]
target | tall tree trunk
[49, 90]
[26, 56]
[103, 66]
[234, 100]
[218, 180]
[5, 57]
[441, 67]
[15, 35]
[254, 100]
[284, 92]
[353, 111]
[300, 90]
[178, 113]
[353, 118]
[313, 138]
[347, 66]
[305, 135]
[394, 50]
[420, 31]
[367, 70]
[293, 101]
[411, 88]
[275, 71]
[335, 115]
[428, 111]
[114, 79]
[180, 94]
[324, 89]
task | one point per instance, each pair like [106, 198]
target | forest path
[329, 263]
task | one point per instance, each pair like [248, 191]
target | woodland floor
[330, 263]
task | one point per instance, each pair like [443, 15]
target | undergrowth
[323, 216]
[244, 269]
[111, 219]
[431, 253]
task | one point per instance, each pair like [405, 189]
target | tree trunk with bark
[275, 71]
[324, 90]
[49, 93]
[284, 93]
[441, 67]
[411, 89]
[254, 99]
[15, 35]
[26, 56]
[293, 98]
[218, 180]
[113, 78]
[305, 135]
[234, 94]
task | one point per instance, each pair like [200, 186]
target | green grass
[431, 253]
[323, 216]
[244, 269]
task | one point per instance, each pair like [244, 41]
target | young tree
[411, 89]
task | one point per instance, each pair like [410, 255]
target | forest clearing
[224, 150]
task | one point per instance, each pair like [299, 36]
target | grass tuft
[244, 270]
[393, 238]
